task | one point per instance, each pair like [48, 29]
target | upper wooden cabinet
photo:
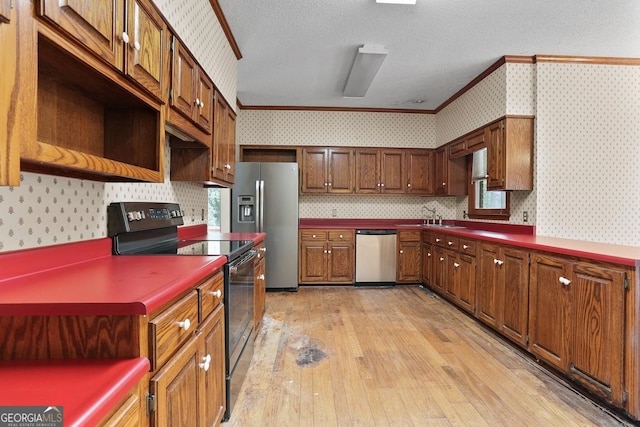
[5, 11]
[129, 35]
[419, 171]
[191, 91]
[224, 141]
[510, 154]
[327, 170]
[379, 171]
[450, 174]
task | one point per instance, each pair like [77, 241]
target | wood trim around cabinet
[344, 109]
[225, 28]
[594, 60]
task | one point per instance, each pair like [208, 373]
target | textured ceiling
[299, 52]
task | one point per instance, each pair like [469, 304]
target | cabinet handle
[329, 184]
[437, 240]
[206, 361]
[409, 185]
[185, 324]
[441, 259]
[428, 253]
[136, 45]
[465, 246]
[197, 102]
[329, 251]
[217, 293]
[227, 166]
[124, 37]
[401, 251]
[261, 276]
[265, 249]
[382, 185]
[498, 261]
[326, 184]
[444, 183]
[325, 251]
[456, 265]
[564, 281]
[341, 236]
[450, 243]
[314, 236]
[201, 104]
[378, 184]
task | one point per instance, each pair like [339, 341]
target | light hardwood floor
[344, 356]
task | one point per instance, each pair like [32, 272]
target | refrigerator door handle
[260, 185]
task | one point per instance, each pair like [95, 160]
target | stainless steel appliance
[265, 199]
[376, 257]
[148, 228]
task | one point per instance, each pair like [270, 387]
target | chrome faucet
[425, 211]
[440, 220]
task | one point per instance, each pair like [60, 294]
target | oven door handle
[244, 259]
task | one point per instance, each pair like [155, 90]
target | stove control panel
[137, 216]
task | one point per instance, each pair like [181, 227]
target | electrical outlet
[202, 216]
[525, 216]
[334, 213]
[464, 214]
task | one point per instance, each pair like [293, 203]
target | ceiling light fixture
[365, 67]
[397, 1]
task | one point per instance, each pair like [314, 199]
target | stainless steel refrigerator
[264, 198]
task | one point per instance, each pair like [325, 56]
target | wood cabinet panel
[420, 172]
[5, 11]
[340, 170]
[211, 295]
[427, 263]
[409, 262]
[146, 48]
[513, 279]
[260, 284]
[466, 286]
[392, 173]
[510, 154]
[450, 174]
[487, 284]
[340, 262]
[327, 256]
[314, 170]
[128, 414]
[214, 377]
[183, 79]
[367, 171]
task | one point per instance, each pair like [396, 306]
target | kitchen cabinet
[420, 172]
[379, 171]
[128, 35]
[128, 414]
[224, 141]
[327, 256]
[510, 154]
[190, 93]
[450, 174]
[467, 144]
[327, 170]
[409, 268]
[439, 269]
[458, 271]
[576, 321]
[427, 260]
[503, 290]
[260, 288]
[5, 11]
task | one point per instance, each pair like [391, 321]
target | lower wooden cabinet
[327, 256]
[576, 321]
[189, 388]
[259, 289]
[409, 268]
[128, 414]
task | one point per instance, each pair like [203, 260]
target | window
[215, 208]
[485, 204]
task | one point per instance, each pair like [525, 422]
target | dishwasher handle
[375, 232]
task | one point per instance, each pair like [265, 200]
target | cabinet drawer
[168, 330]
[341, 235]
[439, 240]
[410, 236]
[451, 242]
[467, 246]
[313, 235]
[211, 293]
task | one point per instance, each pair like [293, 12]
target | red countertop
[86, 389]
[517, 235]
[106, 285]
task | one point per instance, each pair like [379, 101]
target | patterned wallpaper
[588, 152]
[46, 210]
[197, 25]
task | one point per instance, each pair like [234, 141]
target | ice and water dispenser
[246, 209]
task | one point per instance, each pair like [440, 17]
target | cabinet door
[259, 291]
[441, 165]
[214, 377]
[439, 269]
[204, 102]
[340, 170]
[183, 80]
[549, 312]
[495, 155]
[597, 329]
[466, 293]
[340, 262]
[313, 262]
[427, 264]
[367, 171]
[452, 275]
[146, 30]
[409, 262]
[420, 173]
[96, 24]
[514, 291]
[314, 170]
[179, 388]
[392, 174]
[487, 293]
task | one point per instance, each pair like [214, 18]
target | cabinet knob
[326, 184]
[456, 265]
[429, 254]
[444, 183]
[441, 258]
[498, 261]
[197, 102]
[124, 37]
[382, 185]
[206, 361]
[401, 251]
[329, 251]
[450, 243]
[136, 45]
[465, 246]
[564, 281]
[341, 236]
[227, 166]
[437, 240]
[409, 185]
[217, 293]
[261, 276]
[314, 236]
[201, 104]
[185, 324]
[329, 184]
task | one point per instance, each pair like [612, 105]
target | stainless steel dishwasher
[376, 257]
